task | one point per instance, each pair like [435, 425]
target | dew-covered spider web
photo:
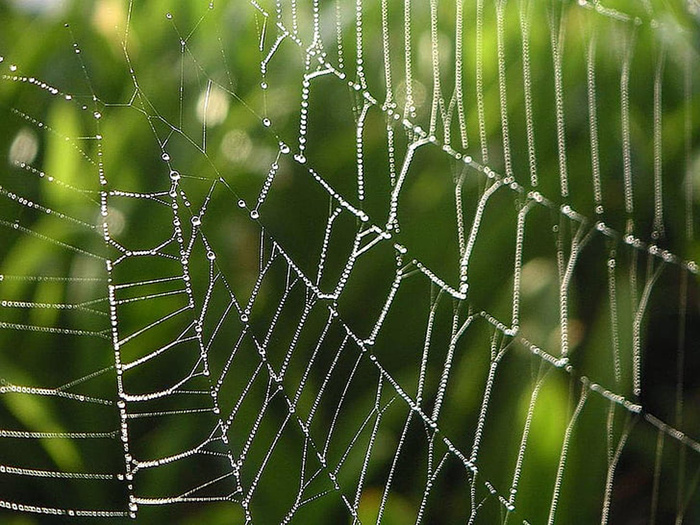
[306, 261]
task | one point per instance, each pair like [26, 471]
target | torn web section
[55, 327]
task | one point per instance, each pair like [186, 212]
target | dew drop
[241, 203]
[169, 16]
[284, 149]
[13, 67]
[165, 157]
[266, 122]
[174, 175]
[254, 214]
[196, 221]
[263, 85]
[97, 115]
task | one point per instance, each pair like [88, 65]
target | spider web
[351, 262]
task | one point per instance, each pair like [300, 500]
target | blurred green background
[175, 111]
